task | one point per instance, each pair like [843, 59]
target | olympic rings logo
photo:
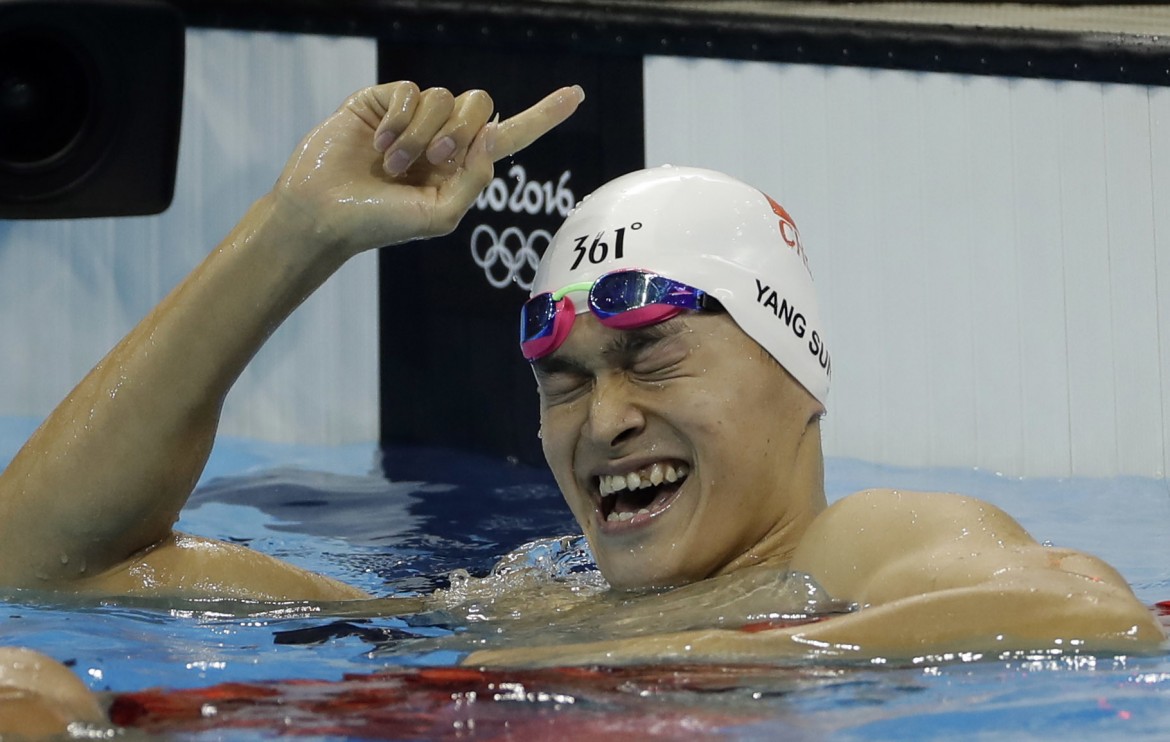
[515, 253]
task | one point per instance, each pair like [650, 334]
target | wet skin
[697, 394]
[40, 697]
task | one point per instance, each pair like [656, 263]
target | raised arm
[90, 500]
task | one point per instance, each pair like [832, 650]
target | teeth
[651, 476]
[612, 517]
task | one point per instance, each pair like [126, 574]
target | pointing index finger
[519, 131]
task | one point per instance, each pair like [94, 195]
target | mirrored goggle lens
[615, 293]
[620, 292]
[536, 317]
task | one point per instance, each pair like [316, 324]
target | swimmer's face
[693, 400]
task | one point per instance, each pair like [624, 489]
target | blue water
[334, 511]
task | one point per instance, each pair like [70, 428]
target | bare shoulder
[899, 503]
[879, 518]
[881, 545]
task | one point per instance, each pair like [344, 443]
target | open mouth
[643, 492]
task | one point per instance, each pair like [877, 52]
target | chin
[629, 578]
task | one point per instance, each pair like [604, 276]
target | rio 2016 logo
[510, 256]
[512, 250]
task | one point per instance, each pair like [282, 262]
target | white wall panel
[1160, 187]
[1035, 244]
[994, 280]
[947, 323]
[70, 289]
[849, 165]
[895, 241]
[988, 251]
[1132, 269]
[1088, 323]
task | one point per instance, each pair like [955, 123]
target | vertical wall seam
[977, 391]
[1152, 128]
[1068, 375]
[1109, 284]
[1021, 458]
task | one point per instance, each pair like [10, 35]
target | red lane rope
[643, 702]
[630, 703]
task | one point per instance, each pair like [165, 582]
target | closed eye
[657, 370]
[654, 353]
[661, 360]
[560, 380]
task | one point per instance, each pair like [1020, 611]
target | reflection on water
[550, 592]
[454, 553]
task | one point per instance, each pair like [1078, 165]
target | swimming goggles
[623, 300]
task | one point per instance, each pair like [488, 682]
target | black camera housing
[90, 107]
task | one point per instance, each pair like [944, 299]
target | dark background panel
[451, 369]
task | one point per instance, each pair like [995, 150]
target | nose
[614, 417]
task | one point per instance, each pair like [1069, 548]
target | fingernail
[398, 162]
[441, 150]
[384, 139]
[489, 137]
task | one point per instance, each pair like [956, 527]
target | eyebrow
[632, 342]
[624, 346]
[557, 364]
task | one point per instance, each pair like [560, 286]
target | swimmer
[682, 381]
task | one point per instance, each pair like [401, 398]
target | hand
[397, 163]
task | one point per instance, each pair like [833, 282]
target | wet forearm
[980, 620]
[1058, 615]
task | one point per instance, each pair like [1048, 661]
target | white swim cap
[709, 231]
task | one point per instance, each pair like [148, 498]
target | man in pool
[681, 382]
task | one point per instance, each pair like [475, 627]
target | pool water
[406, 522]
